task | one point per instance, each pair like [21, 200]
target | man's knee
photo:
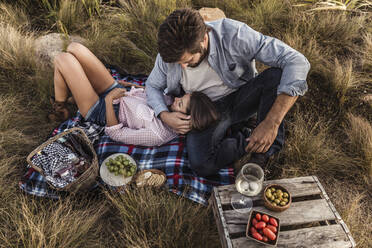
[274, 72]
[272, 77]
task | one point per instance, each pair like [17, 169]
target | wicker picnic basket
[87, 179]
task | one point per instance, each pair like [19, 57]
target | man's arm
[155, 85]
[275, 53]
[250, 44]
[264, 134]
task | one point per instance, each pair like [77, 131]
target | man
[218, 58]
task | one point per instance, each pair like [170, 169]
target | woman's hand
[115, 94]
[127, 84]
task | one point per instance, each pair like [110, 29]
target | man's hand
[263, 137]
[178, 121]
[116, 93]
[264, 134]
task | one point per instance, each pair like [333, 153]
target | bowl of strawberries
[263, 228]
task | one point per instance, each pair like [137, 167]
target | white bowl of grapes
[118, 169]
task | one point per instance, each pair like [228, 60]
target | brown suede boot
[60, 112]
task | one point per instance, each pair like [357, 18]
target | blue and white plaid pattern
[171, 158]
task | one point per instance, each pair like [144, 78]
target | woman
[104, 101]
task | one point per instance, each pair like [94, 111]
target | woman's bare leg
[96, 72]
[69, 74]
[60, 86]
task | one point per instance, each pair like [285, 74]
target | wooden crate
[311, 221]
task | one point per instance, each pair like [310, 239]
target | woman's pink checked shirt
[138, 124]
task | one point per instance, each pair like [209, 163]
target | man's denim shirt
[233, 49]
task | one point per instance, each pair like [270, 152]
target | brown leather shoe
[60, 112]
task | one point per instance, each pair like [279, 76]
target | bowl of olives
[276, 198]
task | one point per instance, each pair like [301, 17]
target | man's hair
[182, 31]
[202, 111]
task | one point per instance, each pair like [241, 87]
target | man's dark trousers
[211, 149]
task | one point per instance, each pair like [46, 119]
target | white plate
[110, 178]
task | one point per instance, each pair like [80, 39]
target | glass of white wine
[248, 183]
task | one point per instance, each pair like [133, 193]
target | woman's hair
[202, 110]
[182, 31]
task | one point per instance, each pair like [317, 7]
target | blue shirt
[233, 49]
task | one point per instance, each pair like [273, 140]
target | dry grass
[359, 133]
[324, 139]
[311, 150]
[354, 207]
[367, 58]
[351, 5]
[14, 16]
[171, 222]
[16, 50]
[342, 79]
[66, 223]
[118, 40]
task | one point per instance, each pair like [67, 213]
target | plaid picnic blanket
[171, 158]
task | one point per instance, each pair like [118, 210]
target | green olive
[268, 194]
[274, 204]
[272, 198]
[285, 200]
[277, 201]
[268, 190]
[285, 195]
[272, 189]
[282, 203]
